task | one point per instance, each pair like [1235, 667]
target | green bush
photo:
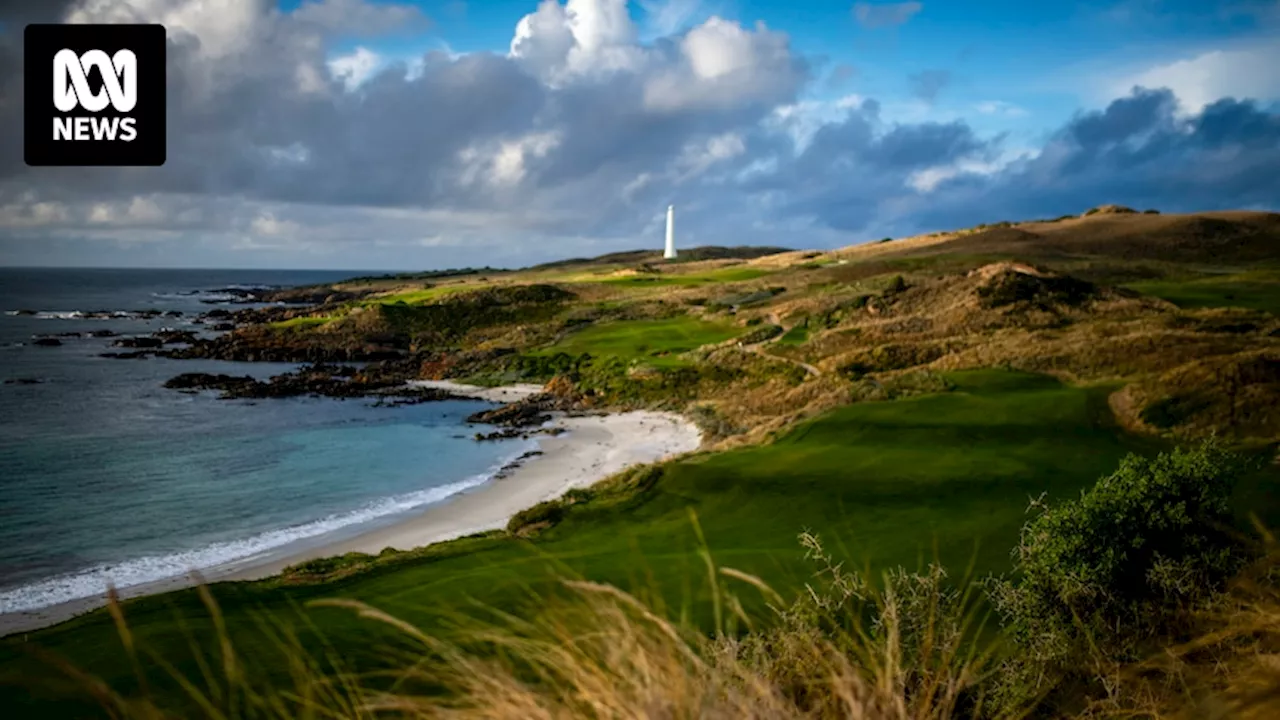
[542, 515]
[1098, 577]
[896, 285]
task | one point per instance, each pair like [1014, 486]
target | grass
[656, 341]
[301, 322]
[425, 295]
[885, 483]
[725, 275]
[1257, 290]
[795, 336]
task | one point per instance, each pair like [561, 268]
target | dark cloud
[1135, 152]
[926, 85]
[565, 148]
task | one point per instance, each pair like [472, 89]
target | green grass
[1258, 290]
[795, 336]
[301, 322]
[656, 341]
[726, 275]
[425, 295]
[885, 484]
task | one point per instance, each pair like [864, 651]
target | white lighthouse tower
[670, 253]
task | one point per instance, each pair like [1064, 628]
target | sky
[373, 134]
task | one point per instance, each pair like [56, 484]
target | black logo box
[40, 44]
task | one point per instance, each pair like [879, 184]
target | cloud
[840, 76]
[355, 67]
[927, 84]
[999, 107]
[297, 140]
[879, 15]
[1243, 72]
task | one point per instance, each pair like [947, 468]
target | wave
[93, 582]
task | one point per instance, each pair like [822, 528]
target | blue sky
[410, 133]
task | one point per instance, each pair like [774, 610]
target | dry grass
[903, 649]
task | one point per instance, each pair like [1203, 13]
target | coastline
[592, 448]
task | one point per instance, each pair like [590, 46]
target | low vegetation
[904, 400]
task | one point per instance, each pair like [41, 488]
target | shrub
[896, 285]
[539, 517]
[712, 423]
[1098, 577]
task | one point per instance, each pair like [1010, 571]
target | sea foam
[93, 582]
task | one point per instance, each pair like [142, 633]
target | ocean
[108, 477]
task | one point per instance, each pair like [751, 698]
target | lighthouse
[670, 253]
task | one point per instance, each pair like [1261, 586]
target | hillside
[902, 398]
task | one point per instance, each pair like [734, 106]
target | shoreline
[592, 448]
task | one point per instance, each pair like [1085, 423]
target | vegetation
[902, 399]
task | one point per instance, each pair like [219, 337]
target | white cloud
[1243, 72]
[999, 107]
[355, 67]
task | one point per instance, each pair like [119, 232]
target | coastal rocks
[228, 384]
[139, 342]
[525, 413]
[101, 333]
[24, 381]
[321, 381]
[46, 342]
[311, 295]
[174, 337]
[135, 355]
[506, 470]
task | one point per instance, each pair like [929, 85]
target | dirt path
[759, 348]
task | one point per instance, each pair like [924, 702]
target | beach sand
[594, 447]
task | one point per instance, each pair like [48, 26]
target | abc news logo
[94, 95]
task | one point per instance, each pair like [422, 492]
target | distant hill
[705, 252]
[1110, 232]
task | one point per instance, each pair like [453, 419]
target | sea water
[108, 477]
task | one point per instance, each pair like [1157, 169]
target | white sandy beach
[594, 447]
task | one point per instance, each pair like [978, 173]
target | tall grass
[909, 646]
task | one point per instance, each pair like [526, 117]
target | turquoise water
[107, 477]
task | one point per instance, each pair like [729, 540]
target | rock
[24, 312]
[518, 414]
[224, 327]
[23, 381]
[139, 342]
[135, 355]
[102, 333]
[46, 342]
[172, 337]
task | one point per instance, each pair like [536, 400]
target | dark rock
[524, 413]
[46, 342]
[24, 312]
[101, 333]
[23, 381]
[135, 355]
[224, 327]
[139, 342]
[172, 337]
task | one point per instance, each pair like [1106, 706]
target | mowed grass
[424, 295]
[726, 275]
[301, 322]
[795, 336]
[884, 484]
[656, 341]
[1257, 290]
